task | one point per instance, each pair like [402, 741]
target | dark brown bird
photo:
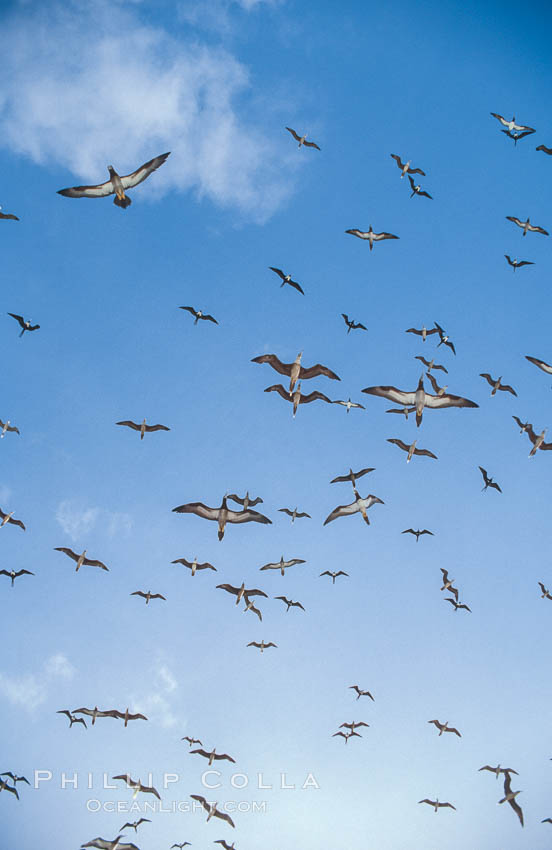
[417, 189]
[352, 476]
[286, 278]
[526, 226]
[262, 645]
[211, 809]
[411, 449]
[334, 575]
[294, 514]
[437, 805]
[545, 592]
[517, 264]
[302, 139]
[404, 167]
[26, 326]
[142, 427]
[497, 384]
[447, 583]
[417, 533]
[72, 718]
[294, 370]
[213, 755]
[489, 481]
[361, 693]
[191, 741]
[456, 604]
[5, 787]
[14, 777]
[544, 149]
[135, 824]
[8, 216]
[13, 574]
[297, 398]
[146, 789]
[289, 603]
[147, 596]
[194, 565]
[444, 727]
[346, 735]
[352, 325]
[81, 559]
[199, 315]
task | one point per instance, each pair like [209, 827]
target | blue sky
[87, 85]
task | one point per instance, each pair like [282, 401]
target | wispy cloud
[156, 704]
[76, 521]
[217, 14]
[85, 85]
[30, 690]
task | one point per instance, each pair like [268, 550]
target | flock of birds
[414, 401]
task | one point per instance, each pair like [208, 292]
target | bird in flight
[417, 190]
[526, 225]
[545, 592]
[423, 332]
[194, 565]
[411, 449]
[104, 844]
[4, 786]
[221, 515]
[8, 216]
[289, 603]
[142, 427]
[511, 125]
[510, 797]
[294, 514]
[537, 440]
[146, 789]
[457, 604]
[213, 755]
[72, 718]
[436, 388]
[192, 741]
[360, 505]
[81, 559]
[333, 576]
[515, 136]
[286, 278]
[496, 384]
[352, 325]
[544, 149]
[13, 575]
[419, 398]
[444, 338]
[6, 426]
[447, 583]
[241, 592]
[498, 769]
[370, 235]
[516, 264]
[26, 326]
[94, 713]
[225, 844]
[211, 809]
[181, 846]
[352, 476]
[404, 410]
[9, 518]
[247, 501]
[444, 727]
[149, 595]
[294, 371]
[417, 534]
[135, 824]
[540, 364]
[488, 481]
[116, 184]
[283, 565]
[262, 645]
[405, 168]
[348, 404]
[14, 777]
[361, 693]
[302, 139]
[437, 805]
[296, 397]
[346, 735]
[199, 315]
[431, 364]
[523, 426]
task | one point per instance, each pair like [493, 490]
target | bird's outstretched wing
[294, 134]
[144, 171]
[540, 364]
[318, 369]
[129, 424]
[9, 215]
[199, 509]
[100, 190]
[275, 362]
[157, 428]
[393, 394]
[448, 400]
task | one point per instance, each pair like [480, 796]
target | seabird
[444, 338]
[250, 606]
[411, 449]
[523, 426]
[213, 755]
[225, 844]
[5, 426]
[404, 410]
[352, 325]
[294, 513]
[544, 149]
[199, 315]
[431, 364]
[5, 787]
[126, 715]
[8, 216]
[286, 278]
[404, 167]
[537, 440]
[181, 846]
[72, 718]
[516, 136]
[436, 388]
[545, 592]
[498, 769]
[246, 502]
[211, 809]
[334, 575]
[417, 534]
[352, 476]
[146, 789]
[361, 693]
[149, 595]
[457, 604]
[546, 820]
[297, 397]
[417, 189]
[516, 264]
[488, 481]
[13, 574]
[81, 559]
[26, 326]
[540, 364]
[14, 777]
[360, 505]
[525, 225]
[192, 741]
[444, 727]
[9, 518]
[282, 565]
[302, 139]
[94, 713]
[289, 603]
[241, 592]
[346, 735]
[103, 844]
[116, 184]
[496, 384]
[370, 235]
[423, 332]
[295, 371]
[262, 645]
[221, 515]
[447, 583]
[353, 724]
[348, 404]
[510, 797]
[135, 824]
[511, 125]
[142, 427]
[437, 805]
[193, 565]
[419, 398]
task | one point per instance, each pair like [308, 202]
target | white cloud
[29, 691]
[76, 521]
[85, 85]
[156, 705]
[118, 524]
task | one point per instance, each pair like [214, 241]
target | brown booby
[302, 139]
[142, 427]
[81, 559]
[419, 398]
[294, 371]
[370, 235]
[360, 505]
[116, 184]
[221, 515]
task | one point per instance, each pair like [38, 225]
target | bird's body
[405, 168]
[360, 692]
[437, 805]
[289, 603]
[444, 727]
[417, 189]
[516, 264]
[348, 404]
[286, 278]
[72, 718]
[537, 440]
[423, 332]
[352, 476]
[211, 809]
[135, 824]
[247, 501]
[116, 185]
[294, 514]
[417, 534]
[510, 797]
[488, 481]
[297, 397]
[213, 755]
[262, 645]
[457, 604]
[352, 325]
[511, 126]
[545, 592]
[241, 592]
[146, 789]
